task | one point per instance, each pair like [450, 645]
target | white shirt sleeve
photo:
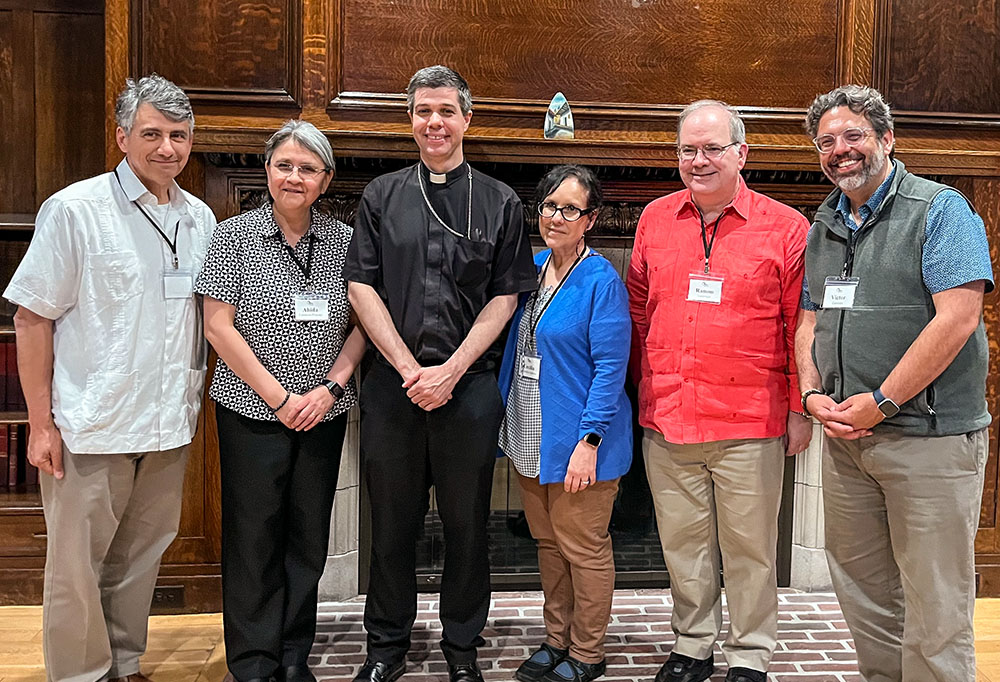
[47, 282]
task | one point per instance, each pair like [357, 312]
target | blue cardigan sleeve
[610, 332]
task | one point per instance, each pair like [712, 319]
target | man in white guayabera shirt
[112, 360]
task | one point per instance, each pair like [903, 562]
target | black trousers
[277, 495]
[405, 450]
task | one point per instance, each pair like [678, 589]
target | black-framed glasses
[570, 213]
[306, 172]
[852, 137]
[709, 151]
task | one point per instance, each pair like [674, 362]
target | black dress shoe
[681, 668]
[740, 674]
[543, 660]
[297, 673]
[377, 671]
[464, 672]
[572, 670]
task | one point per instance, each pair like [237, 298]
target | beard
[872, 166]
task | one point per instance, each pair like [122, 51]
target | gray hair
[860, 99]
[439, 77]
[737, 131]
[307, 136]
[157, 91]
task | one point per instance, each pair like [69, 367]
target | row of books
[15, 470]
[11, 396]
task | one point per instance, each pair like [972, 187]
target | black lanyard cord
[704, 237]
[533, 319]
[172, 245]
[307, 268]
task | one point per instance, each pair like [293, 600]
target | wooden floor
[190, 648]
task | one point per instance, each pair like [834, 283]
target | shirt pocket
[108, 397]
[471, 263]
[112, 278]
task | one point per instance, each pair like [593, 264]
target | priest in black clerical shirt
[439, 255]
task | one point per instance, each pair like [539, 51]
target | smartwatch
[885, 405]
[593, 439]
[335, 389]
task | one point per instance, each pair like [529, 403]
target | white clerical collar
[437, 178]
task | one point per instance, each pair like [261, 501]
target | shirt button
[690, 318]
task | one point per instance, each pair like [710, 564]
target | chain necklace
[468, 224]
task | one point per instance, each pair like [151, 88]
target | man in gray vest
[892, 359]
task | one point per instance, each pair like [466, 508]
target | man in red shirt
[714, 285]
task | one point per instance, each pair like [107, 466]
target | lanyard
[534, 319]
[704, 237]
[171, 244]
[307, 268]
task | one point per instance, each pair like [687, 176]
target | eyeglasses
[570, 213]
[709, 151]
[305, 172]
[852, 137]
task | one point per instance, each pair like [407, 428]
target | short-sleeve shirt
[128, 363]
[435, 279]
[956, 250]
[249, 267]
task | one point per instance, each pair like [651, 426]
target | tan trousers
[575, 561]
[108, 522]
[901, 519]
[711, 497]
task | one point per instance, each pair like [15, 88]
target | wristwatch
[885, 405]
[805, 398]
[335, 389]
[593, 439]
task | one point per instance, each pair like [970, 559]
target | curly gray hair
[860, 99]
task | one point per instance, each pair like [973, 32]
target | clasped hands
[302, 412]
[851, 419]
[430, 387]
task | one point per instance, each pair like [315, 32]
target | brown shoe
[134, 677]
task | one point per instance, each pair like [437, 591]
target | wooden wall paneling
[21, 162]
[856, 40]
[775, 53]
[985, 195]
[232, 52]
[8, 131]
[316, 39]
[117, 67]
[69, 99]
[944, 57]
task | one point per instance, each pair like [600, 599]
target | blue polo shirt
[956, 250]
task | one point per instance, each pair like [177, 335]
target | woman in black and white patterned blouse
[276, 312]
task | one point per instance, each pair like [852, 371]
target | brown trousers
[575, 561]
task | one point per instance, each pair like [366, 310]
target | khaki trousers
[711, 497]
[575, 561]
[901, 518]
[108, 522]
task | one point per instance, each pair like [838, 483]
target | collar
[870, 206]
[457, 173]
[136, 191]
[319, 229]
[740, 203]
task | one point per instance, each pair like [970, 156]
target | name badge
[704, 288]
[839, 292]
[311, 307]
[178, 284]
[531, 366]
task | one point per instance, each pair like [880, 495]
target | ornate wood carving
[232, 52]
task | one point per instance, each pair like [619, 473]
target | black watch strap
[335, 389]
[805, 398]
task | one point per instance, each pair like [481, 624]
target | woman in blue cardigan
[567, 426]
